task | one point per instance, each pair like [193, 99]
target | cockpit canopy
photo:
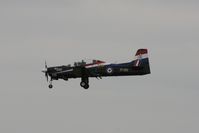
[88, 62]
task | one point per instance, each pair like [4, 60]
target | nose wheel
[50, 85]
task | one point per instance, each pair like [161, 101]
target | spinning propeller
[46, 71]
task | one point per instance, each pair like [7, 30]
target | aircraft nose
[44, 70]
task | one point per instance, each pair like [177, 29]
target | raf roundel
[109, 70]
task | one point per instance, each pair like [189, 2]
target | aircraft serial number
[124, 70]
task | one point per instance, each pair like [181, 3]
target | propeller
[46, 71]
[46, 65]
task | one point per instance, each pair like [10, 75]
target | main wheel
[50, 86]
[86, 86]
[83, 84]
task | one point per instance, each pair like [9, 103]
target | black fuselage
[124, 69]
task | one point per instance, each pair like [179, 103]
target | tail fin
[140, 56]
[142, 60]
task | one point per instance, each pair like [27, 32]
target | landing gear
[50, 85]
[85, 83]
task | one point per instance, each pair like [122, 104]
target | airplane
[98, 69]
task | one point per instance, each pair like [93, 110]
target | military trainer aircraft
[98, 69]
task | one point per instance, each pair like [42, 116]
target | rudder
[142, 60]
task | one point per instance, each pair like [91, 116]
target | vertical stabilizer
[141, 55]
[142, 60]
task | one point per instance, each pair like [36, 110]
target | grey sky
[65, 31]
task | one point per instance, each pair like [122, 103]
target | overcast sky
[64, 31]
